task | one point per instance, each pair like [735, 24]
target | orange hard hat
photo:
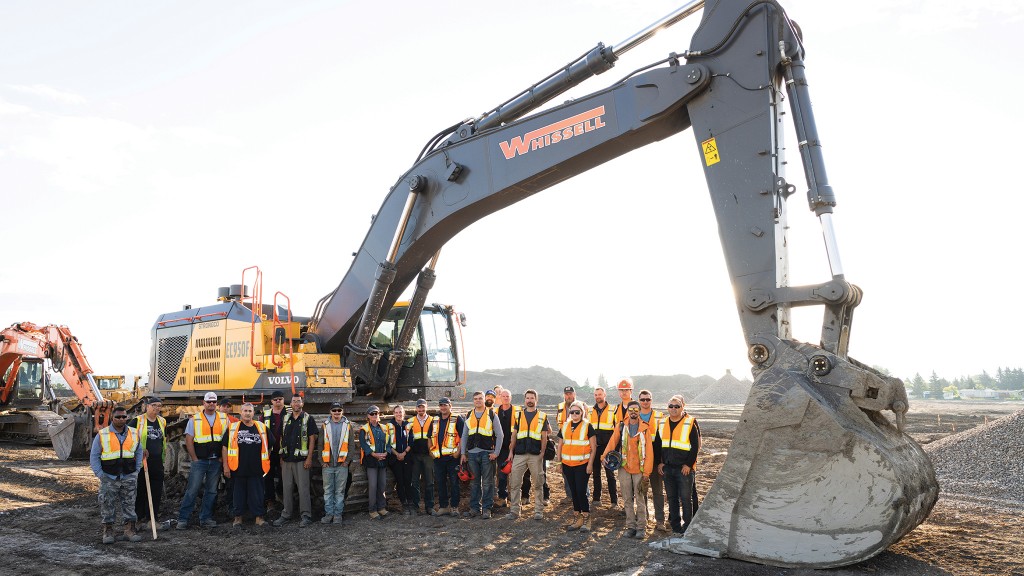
[507, 467]
[464, 473]
[625, 384]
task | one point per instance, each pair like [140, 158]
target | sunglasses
[674, 406]
[209, 401]
[575, 412]
[645, 399]
[121, 417]
[633, 410]
[278, 399]
[336, 410]
[374, 414]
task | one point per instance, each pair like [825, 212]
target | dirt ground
[49, 525]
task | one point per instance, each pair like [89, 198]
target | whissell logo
[554, 133]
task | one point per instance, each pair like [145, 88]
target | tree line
[1004, 379]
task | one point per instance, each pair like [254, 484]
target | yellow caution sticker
[710, 148]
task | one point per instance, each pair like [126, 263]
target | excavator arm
[817, 474]
[27, 340]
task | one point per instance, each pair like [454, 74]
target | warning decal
[710, 149]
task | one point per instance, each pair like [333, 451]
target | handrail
[256, 304]
[273, 345]
[192, 318]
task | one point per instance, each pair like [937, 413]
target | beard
[488, 403]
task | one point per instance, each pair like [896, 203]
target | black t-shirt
[250, 445]
[505, 418]
[292, 437]
[154, 437]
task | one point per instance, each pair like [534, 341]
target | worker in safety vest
[376, 442]
[336, 462]
[507, 416]
[273, 416]
[633, 440]
[577, 450]
[653, 418]
[481, 442]
[530, 431]
[569, 394]
[445, 439]
[602, 418]
[246, 454]
[152, 429]
[115, 458]
[298, 442]
[675, 453]
[420, 428]
[203, 435]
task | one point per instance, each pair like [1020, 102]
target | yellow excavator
[820, 472]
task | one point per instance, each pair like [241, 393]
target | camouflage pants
[118, 495]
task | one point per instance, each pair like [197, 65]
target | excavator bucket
[71, 438]
[816, 476]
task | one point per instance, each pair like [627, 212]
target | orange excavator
[30, 411]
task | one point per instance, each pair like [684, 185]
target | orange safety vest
[417, 432]
[560, 414]
[450, 446]
[325, 454]
[634, 448]
[575, 445]
[606, 421]
[233, 446]
[680, 440]
[389, 438]
[117, 458]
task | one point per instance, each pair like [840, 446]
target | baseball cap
[153, 400]
[421, 402]
[336, 405]
[490, 393]
[444, 400]
[210, 396]
[277, 394]
[224, 402]
[372, 409]
[568, 389]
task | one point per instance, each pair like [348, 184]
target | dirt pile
[726, 390]
[983, 463]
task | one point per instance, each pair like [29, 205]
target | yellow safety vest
[680, 440]
[117, 458]
[201, 428]
[144, 430]
[303, 449]
[233, 446]
[533, 432]
[325, 454]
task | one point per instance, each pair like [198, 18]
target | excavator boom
[820, 472]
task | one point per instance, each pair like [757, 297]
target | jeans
[680, 494]
[335, 482]
[376, 478]
[445, 471]
[248, 493]
[482, 468]
[423, 467]
[203, 474]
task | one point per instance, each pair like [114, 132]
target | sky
[149, 151]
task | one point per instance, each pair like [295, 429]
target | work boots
[108, 533]
[585, 523]
[577, 521]
[130, 533]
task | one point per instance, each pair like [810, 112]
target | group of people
[501, 449]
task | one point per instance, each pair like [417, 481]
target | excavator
[821, 472]
[29, 409]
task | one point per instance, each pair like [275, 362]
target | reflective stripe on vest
[640, 441]
[233, 446]
[325, 454]
[112, 447]
[483, 426]
[201, 428]
[420, 433]
[606, 421]
[451, 439]
[524, 430]
[560, 414]
[680, 440]
[575, 446]
[144, 431]
[303, 449]
[388, 437]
